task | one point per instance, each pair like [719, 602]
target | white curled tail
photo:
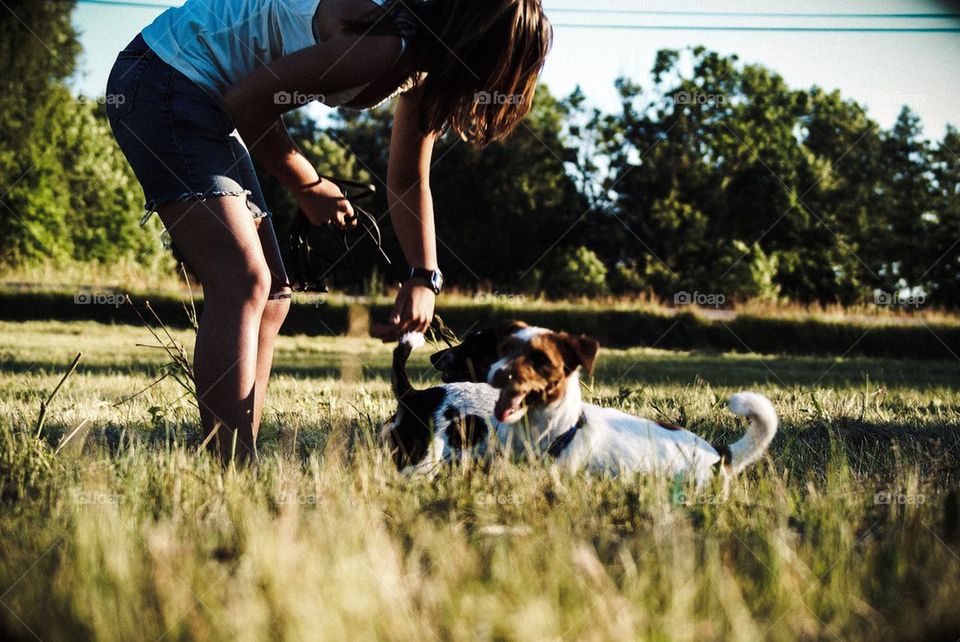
[762, 429]
[398, 374]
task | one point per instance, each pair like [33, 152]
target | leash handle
[304, 255]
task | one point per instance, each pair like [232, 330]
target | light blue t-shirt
[215, 43]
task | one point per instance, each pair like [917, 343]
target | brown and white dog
[533, 407]
[538, 376]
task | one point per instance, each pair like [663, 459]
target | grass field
[849, 529]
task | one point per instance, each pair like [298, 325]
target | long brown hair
[480, 60]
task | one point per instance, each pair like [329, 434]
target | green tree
[39, 48]
[908, 199]
[573, 272]
[104, 200]
[718, 155]
[67, 192]
[843, 179]
[940, 275]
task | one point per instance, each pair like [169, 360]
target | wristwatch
[433, 279]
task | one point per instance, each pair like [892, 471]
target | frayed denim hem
[150, 207]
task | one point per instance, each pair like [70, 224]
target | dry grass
[163, 278]
[127, 534]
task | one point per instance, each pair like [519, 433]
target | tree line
[715, 179]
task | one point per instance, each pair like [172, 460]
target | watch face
[432, 278]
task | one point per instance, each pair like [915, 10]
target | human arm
[411, 213]
[256, 103]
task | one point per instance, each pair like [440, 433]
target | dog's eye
[539, 360]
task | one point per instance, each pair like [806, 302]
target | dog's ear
[578, 351]
[436, 359]
[507, 328]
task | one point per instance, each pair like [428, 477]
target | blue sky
[882, 71]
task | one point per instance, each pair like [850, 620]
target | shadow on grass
[616, 370]
[873, 449]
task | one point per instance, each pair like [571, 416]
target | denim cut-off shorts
[176, 136]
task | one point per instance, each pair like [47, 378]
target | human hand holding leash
[412, 312]
[324, 203]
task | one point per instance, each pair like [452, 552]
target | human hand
[323, 203]
[412, 312]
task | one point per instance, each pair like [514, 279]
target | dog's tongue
[507, 405]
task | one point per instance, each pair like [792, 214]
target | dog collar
[560, 444]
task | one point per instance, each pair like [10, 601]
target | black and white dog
[532, 406]
[442, 423]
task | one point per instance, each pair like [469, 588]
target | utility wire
[622, 27]
[757, 14]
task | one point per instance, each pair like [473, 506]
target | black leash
[318, 252]
[313, 258]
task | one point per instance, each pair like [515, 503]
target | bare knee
[245, 288]
[255, 283]
[276, 310]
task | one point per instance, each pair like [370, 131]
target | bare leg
[274, 314]
[219, 239]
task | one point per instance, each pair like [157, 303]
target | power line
[758, 14]
[569, 25]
